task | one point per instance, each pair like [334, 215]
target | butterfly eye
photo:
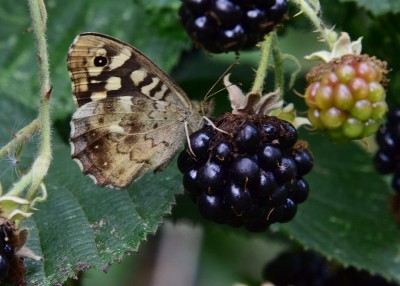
[100, 61]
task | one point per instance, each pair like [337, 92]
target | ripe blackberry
[230, 25]
[250, 175]
[387, 159]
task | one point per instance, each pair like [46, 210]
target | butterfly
[131, 115]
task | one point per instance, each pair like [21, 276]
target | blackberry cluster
[300, 268]
[346, 97]
[387, 159]
[230, 25]
[250, 176]
[6, 249]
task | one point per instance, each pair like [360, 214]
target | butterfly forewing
[130, 115]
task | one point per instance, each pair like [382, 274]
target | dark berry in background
[298, 268]
[304, 268]
[387, 158]
[250, 176]
[6, 248]
[230, 25]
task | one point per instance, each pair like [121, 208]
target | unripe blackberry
[230, 25]
[346, 96]
[251, 174]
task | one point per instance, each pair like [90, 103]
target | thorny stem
[40, 166]
[261, 72]
[312, 9]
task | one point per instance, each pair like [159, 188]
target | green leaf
[346, 217]
[378, 7]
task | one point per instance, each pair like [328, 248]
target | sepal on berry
[256, 103]
[343, 46]
[9, 206]
[251, 103]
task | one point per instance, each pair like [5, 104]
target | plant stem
[312, 9]
[19, 138]
[41, 164]
[278, 62]
[262, 67]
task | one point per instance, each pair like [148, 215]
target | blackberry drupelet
[250, 176]
[230, 25]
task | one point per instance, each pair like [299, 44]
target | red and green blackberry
[247, 170]
[346, 95]
[387, 159]
[230, 25]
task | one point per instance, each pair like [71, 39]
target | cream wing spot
[120, 59]
[138, 76]
[100, 52]
[160, 94]
[147, 88]
[98, 95]
[113, 83]
[116, 129]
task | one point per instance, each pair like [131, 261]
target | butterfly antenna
[209, 94]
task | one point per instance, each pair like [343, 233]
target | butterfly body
[131, 116]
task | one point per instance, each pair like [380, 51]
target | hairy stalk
[20, 137]
[312, 9]
[40, 166]
[278, 66]
[261, 72]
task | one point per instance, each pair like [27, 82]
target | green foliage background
[82, 226]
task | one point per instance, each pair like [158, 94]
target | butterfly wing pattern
[130, 116]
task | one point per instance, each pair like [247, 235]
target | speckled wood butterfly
[131, 115]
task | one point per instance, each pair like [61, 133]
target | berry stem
[312, 9]
[33, 179]
[278, 62]
[261, 72]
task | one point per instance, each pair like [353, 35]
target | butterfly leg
[215, 127]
